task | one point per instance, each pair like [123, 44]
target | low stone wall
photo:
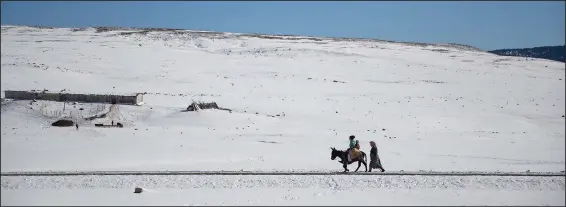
[87, 98]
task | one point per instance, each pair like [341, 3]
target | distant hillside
[546, 52]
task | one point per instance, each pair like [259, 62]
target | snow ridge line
[404, 173]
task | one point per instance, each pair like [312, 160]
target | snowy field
[428, 107]
[283, 190]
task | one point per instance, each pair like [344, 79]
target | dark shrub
[63, 123]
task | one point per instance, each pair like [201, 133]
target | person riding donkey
[353, 149]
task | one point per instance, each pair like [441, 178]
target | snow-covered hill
[428, 107]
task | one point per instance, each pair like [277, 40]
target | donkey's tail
[365, 158]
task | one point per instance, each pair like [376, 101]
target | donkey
[344, 159]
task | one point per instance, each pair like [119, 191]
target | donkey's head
[335, 153]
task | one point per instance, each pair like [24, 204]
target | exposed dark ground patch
[433, 81]
[269, 142]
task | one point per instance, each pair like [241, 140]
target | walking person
[375, 162]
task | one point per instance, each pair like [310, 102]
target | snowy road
[281, 190]
[282, 181]
[400, 173]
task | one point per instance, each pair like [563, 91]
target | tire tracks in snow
[331, 182]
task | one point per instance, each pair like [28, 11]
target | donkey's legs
[359, 164]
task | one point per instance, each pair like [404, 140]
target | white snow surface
[433, 107]
[283, 190]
